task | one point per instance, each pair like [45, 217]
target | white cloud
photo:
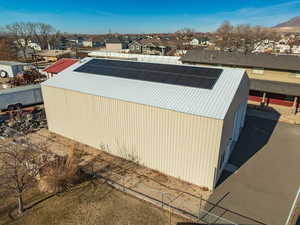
[265, 16]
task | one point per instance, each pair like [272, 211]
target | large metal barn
[180, 120]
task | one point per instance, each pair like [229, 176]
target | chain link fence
[177, 202]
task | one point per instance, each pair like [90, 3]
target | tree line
[18, 37]
[243, 37]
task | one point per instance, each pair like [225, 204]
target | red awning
[60, 65]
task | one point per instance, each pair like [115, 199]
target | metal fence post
[293, 207]
[200, 201]
[170, 216]
[123, 183]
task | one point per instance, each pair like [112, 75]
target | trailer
[19, 97]
[11, 69]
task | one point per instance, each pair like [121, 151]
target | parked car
[19, 97]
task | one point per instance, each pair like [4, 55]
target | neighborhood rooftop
[292, 89]
[114, 40]
[225, 58]
[109, 83]
[60, 65]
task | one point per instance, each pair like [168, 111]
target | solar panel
[199, 77]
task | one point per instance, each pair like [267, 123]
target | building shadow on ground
[298, 221]
[254, 137]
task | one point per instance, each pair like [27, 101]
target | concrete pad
[261, 191]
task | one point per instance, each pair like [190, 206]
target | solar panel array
[198, 77]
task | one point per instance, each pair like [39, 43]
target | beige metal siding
[268, 74]
[273, 75]
[114, 46]
[240, 97]
[178, 144]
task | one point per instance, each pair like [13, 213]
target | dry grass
[92, 203]
[61, 173]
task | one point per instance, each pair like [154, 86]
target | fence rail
[165, 201]
[176, 201]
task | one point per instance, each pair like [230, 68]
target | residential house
[35, 46]
[75, 41]
[88, 43]
[115, 44]
[135, 47]
[194, 41]
[62, 43]
[204, 41]
[150, 47]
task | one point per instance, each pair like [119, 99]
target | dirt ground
[91, 203]
[119, 166]
[119, 206]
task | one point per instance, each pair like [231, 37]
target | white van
[11, 69]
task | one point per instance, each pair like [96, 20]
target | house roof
[114, 41]
[284, 88]
[154, 42]
[60, 65]
[277, 62]
[213, 103]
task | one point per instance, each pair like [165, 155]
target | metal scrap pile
[22, 122]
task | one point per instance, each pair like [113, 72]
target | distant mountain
[294, 22]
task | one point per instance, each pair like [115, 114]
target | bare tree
[19, 165]
[7, 49]
[225, 35]
[243, 37]
[24, 34]
[43, 34]
[250, 38]
[186, 32]
[54, 39]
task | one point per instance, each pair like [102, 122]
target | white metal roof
[138, 57]
[212, 103]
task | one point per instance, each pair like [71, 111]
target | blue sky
[146, 16]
